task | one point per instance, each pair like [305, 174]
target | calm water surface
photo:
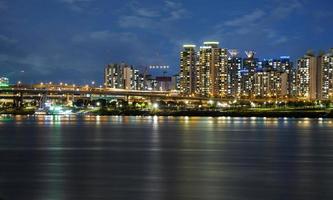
[59, 157]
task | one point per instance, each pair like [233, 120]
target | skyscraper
[261, 84]
[212, 70]
[307, 77]
[325, 63]
[287, 67]
[120, 76]
[279, 75]
[234, 74]
[248, 73]
[187, 74]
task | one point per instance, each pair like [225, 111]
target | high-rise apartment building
[307, 77]
[234, 67]
[279, 75]
[286, 66]
[248, 74]
[325, 62]
[261, 84]
[187, 74]
[120, 76]
[270, 84]
[212, 70]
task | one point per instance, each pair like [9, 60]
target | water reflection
[150, 157]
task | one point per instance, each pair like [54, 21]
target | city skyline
[90, 34]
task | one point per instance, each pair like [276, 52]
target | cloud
[104, 35]
[35, 62]
[147, 13]
[284, 9]
[44, 67]
[80, 5]
[138, 10]
[178, 14]
[3, 5]
[7, 40]
[135, 21]
[121, 46]
[172, 5]
[153, 16]
[75, 1]
[259, 25]
[247, 19]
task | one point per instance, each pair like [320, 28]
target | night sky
[72, 40]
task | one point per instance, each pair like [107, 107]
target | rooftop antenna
[250, 54]
[233, 52]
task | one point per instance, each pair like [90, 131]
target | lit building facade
[307, 77]
[234, 67]
[261, 84]
[325, 63]
[175, 82]
[187, 74]
[212, 70]
[248, 75]
[270, 84]
[279, 75]
[286, 66]
[121, 76]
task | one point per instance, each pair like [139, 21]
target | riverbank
[272, 113]
[233, 113]
[12, 111]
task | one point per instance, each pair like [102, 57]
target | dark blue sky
[72, 40]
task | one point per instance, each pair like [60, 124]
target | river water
[95, 157]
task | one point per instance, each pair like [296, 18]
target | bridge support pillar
[69, 99]
[18, 100]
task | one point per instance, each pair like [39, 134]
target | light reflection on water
[150, 157]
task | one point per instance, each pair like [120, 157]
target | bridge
[39, 92]
[19, 93]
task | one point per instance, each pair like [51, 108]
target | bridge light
[155, 106]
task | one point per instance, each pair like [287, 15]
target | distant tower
[187, 74]
[120, 76]
[307, 77]
[325, 65]
[248, 76]
[212, 73]
[234, 74]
